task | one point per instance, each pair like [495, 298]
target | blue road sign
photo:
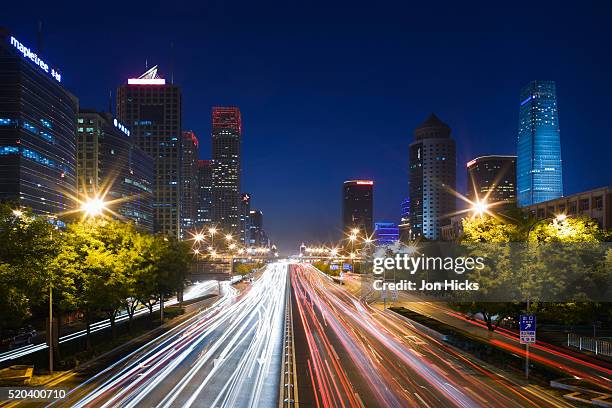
[346, 267]
[527, 327]
[334, 267]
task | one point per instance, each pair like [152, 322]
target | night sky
[330, 92]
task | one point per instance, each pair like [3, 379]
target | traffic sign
[347, 267]
[334, 267]
[527, 328]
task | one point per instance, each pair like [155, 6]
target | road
[573, 363]
[360, 356]
[192, 292]
[226, 356]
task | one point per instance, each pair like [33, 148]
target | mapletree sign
[32, 56]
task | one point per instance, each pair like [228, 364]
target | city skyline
[285, 110]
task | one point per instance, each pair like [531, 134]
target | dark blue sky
[332, 90]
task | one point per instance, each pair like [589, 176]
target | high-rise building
[37, 131]
[404, 224]
[204, 193]
[226, 140]
[111, 167]
[431, 177]
[358, 205]
[539, 172]
[189, 182]
[386, 233]
[257, 235]
[151, 108]
[492, 179]
[245, 218]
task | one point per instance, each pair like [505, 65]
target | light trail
[361, 356]
[192, 292]
[227, 356]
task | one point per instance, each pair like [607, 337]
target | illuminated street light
[355, 231]
[199, 237]
[211, 248]
[212, 231]
[17, 213]
[196, 251]
[561, 217]
[352, 237]
[229, 237]
[93, 207]
[232, 246]
[213, 253]
[479, 208]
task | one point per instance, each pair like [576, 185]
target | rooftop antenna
[39, 43]
[110, 101]
[172, 62]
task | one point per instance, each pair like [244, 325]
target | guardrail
[597, 346]
[288, 383]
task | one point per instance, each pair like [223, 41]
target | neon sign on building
[32, 56]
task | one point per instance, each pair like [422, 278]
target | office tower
[110, 166]
[404, 224]
[492, 179]
[226, 139]
[386, 233]
[431, 176]
[539, 171]
[189, 182]
[151, 108]
[204, 193]
[37, 132]
[358, 205]
[245, 209]
[257, 235]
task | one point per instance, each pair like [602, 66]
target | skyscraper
[204, 193]
[358, 205]
[189, 181]
[37, 131]
[257, 235]
[431, 175]
[404, 224]
[539, 171]
[492, 178]
[226, 140]
[245, 209]
[151, 108]
[112, 167]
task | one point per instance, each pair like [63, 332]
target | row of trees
[95, 267]
[561, 269]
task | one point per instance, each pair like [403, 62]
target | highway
[228, 355]
[360, 356]
[192, 292]
[563, 360]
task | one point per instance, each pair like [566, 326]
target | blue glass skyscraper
[539, 173]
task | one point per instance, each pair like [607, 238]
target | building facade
[492, 179]
[539, 166]
[151, 108]
[358, 205]
[111, 167]
[386, 233]
[257, 234]
[226, 141]
[595, 204]
[37, 132]
[203, 216]
[432, 178]
[190, 191]
[404, 225]
[245, 218]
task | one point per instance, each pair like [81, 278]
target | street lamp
[479, 208]
[93, 207]
[229, 237]
[18, 213]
